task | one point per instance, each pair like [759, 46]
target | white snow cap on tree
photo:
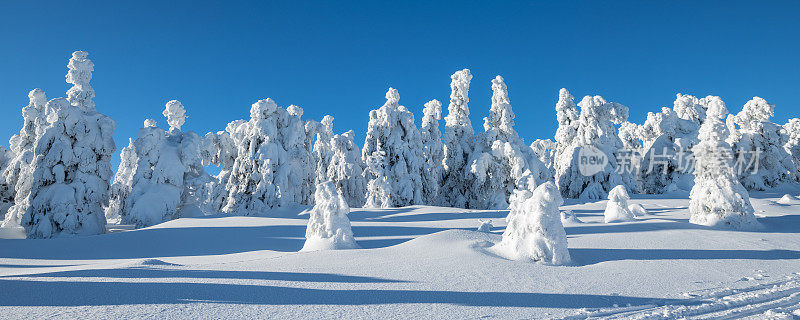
[534, 230]
[394, 140]
[617, 209]
[500, 156]
[79, 75]
[328, 226]
[458, 142]
[176, 115]
[432, 152]
[150, 123]
[18, 172]
[718, 198]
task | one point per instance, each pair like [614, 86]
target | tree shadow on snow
[29, 293]
[588, 256]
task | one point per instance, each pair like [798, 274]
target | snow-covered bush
[761, 161]
[18, 171]
[617, 206]
[717, 198]
[394, 142]
[500, 156]
[346, 169]
[458, 143]
[534, 230]
[71, 162]
[272, 164]
[568, 218]
[637, 209]
[594, 134]
[161, 174]
[432, 152]
[328, 226]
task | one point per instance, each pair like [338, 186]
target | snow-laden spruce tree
[272, 165]
[534, 230]
[18, 172]
[393, 136]
[123, 180]
[328, 226]
[567, 116]
[500, 156]
[758, 146]
[458, 143]
[545, 150]
[6, 190]
[617, 209]
[718, 198]
[346, 169]
[322, 148]
[595, 136]
[161, 175]
[71, 164]
[432, 152]
[218, 149]
[792, 146]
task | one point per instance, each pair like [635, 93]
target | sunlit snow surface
[415, 262]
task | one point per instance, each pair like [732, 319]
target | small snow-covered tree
[272, 166]
[617, 206]
[758, 147]
[328, 226]
[18, 171]
[534, 230]
[596, 133]
[432, 152]
[71, 166]
[545, 150]
[458, 143]
[346, 169]
[500, 156]
[123, 180]
[162, 177]
[392, 136]
[717, 198]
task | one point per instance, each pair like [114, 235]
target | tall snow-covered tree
[393, 137]
[595, 134]
[459, 143]
[534, 229]
[18, 171]
[322, 149]
[346, 169]
[6, 190]
[123, 180]
[71, 166]
[792, 145]
[500, 156]
[218, 149]
[568, 120]
[272, 163]
[432, 152]
[328, 225]
[717, 198]
[758, 146]
[161, 174]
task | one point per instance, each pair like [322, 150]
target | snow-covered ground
[414, 262]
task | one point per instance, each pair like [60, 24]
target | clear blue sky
[339, 58]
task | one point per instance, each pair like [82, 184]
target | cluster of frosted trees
[56, 176]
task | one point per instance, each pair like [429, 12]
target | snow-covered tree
[71, 164]
[6, 190]
[534, 230]
[18, 171]
[161, 175]
[346, 169]
[218, 149]
[758, 146]
[395, 141]
[458, 143]
[568, 122]
[617, 209]
[328, 226]
[322, 149]
[792, 146]
[500, 156]
[545, 150]
[272, 164]
[595, 136]
[432, 152]
[718, 198]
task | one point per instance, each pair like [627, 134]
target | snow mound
[617, 209]
[568, 217]
[788, 199]
[151, 262]
[485, 226]
[637, 209]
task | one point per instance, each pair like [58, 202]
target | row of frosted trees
[57, 180]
